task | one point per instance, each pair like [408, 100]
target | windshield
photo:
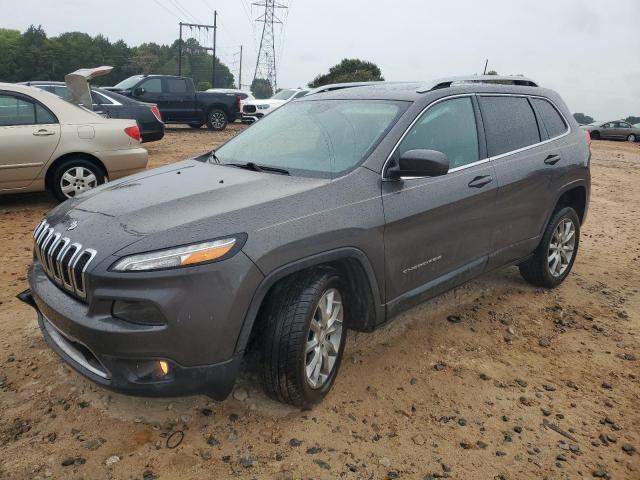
[128, 83]
[325, 138]
[283, 95]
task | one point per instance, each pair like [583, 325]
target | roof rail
[500, 79]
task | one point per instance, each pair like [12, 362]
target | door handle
[480, 181]
[552, 159]
[43, 133]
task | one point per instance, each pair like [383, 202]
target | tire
[595, 135]
[631, 138]
[217, 120]
[542, 270]
[288, 333]
[74, 176]
[195, 125]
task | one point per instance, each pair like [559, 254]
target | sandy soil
[423, 398]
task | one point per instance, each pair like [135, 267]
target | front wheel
[553, 259]
[631, 138]
[216, 120]
[74, 176]
[304, 337]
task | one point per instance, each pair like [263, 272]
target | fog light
[164, 367]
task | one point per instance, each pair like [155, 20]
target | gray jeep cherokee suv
[335, 213]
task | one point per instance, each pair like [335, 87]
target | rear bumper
[120, 163]
[152, 133]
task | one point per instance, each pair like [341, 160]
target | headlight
[180, 256]
[263, 107]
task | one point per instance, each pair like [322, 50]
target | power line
[166, 9]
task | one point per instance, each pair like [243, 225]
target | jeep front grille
[64, 262]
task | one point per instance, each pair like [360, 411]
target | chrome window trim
[112, 101]
[484, 160]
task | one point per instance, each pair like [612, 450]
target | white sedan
[47, 143]
[255, 110]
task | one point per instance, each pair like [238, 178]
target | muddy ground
[528, 384]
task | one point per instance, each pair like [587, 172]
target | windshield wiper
[259, 168]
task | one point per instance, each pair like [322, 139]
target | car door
[608, 131]
[179, 101]
[525, 168]
[153, 92]
[29, 134]
[438, 230]
[625, 129]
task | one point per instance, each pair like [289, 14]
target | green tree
[9, 41]
[583, 119]
[261, 88]
[632, 119]
[202, 86]
[492, 72]
[349, 70]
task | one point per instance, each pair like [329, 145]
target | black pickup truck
[179, 102]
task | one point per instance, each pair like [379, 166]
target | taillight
[156, 112]
[133, 132]
[238, 99]
[588, 135]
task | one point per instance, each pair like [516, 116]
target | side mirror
[420, 163]
[138, 91]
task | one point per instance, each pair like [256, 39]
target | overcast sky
[588, 51]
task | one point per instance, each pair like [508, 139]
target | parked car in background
[113, 105]
[245, 96]
[334, 213]
[616, 130]
[179, 102]
[49, 143]
[256, 109]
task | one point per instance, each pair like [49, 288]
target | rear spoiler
[78, 84]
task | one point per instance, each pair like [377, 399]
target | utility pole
[240, 73]
[215, 29]
[207, 28]
[266, 63]
[180, 52]
[485, 67]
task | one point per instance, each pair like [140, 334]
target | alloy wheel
[77, 180]
[323, 340]
[561, 247]
[631, 138]
[217, 120]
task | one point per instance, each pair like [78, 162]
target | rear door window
[551, 118]
[175, 85]
[509, 123]
[448, 127]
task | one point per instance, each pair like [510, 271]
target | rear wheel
[553, 259]
[74, 176]
[216, 120]
[631, 138]
[304, 337]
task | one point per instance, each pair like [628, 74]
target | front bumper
[251, 117]
[198, 340]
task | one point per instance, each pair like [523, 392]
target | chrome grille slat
[65, 262]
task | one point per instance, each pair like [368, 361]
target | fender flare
[301, 264]
[565, 188]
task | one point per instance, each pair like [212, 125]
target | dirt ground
[527, 384]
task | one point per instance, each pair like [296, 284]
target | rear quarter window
[551, 118]
[509, 123]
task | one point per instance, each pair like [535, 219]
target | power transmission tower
[266, 63]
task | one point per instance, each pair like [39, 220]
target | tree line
[32, 55]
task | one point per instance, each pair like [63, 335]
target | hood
[182, 203]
